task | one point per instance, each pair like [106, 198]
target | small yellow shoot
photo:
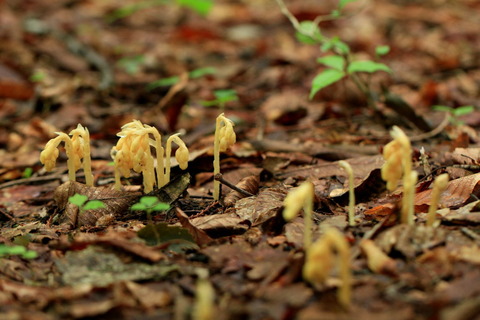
[293, 203]
[224, 139]
[319, 261]
[204, 299]
[181, 154]
[439, 185]
[351, 192]
[398, 157]
[77, 149]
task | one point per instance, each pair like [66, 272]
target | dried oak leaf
[221, 225]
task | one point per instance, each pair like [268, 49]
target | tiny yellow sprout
[293, 203]
[351, 192]
[439, 185]
[181, 154]
[224, 139]
[319, 261]
[77, 149]
[398, 161]
[204, 299]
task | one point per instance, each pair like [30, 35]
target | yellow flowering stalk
[398, 157]
[132, 152]
[181, 154]
[351, 192]
[224, 139]
[439, 185]
[293, 203]
[319, 260]
[77, 148]
[81, 148]
[49, 155]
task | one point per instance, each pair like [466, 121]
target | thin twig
[219, 177]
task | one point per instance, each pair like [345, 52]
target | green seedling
[222, 97]
[83, 204]
[455, 113]
[170, 81]
[131, 65]
[6, 251]
[340, 63]
[201, 7]
[150, 204]
[27, 173]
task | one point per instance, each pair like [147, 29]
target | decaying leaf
[249, 184]
[410, 240]
[221, 225]
[261, 208]
[116, 203]
[200, 236]
[458, 192]
[96, 266]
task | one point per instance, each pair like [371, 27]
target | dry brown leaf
[249, 184]
[119, 240]
[116, 202]
[261, 208]
[458, 192]
[221, 225]
[201, 238]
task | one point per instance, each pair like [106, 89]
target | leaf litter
[118, 263]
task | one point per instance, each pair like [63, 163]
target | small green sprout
[454, 113]
[150, 204]
[27, 173]
[6, 251]
[83, 204]
[131, 65]
[170, 81]
[38, 76]
[222, 97]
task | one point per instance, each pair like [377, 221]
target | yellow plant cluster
[133, 152]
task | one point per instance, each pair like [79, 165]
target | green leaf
[161, 207]
[225, 95]
[164, 82]
[200, 72]
[93, 205]
[149, 201]
[343, 3]
[29, 255]
[442, 108]
[335, 62]
[336, 45]
[78, 199]
[463, 110]
[382, 50]
[367, 66]
[131, 65]
[202, 7]
[325, 79]
[139, 207]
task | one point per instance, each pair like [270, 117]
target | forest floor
[102, 64]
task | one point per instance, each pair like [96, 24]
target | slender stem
[168, 154]
[216, 157]
[69, 150]
[308, 220]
